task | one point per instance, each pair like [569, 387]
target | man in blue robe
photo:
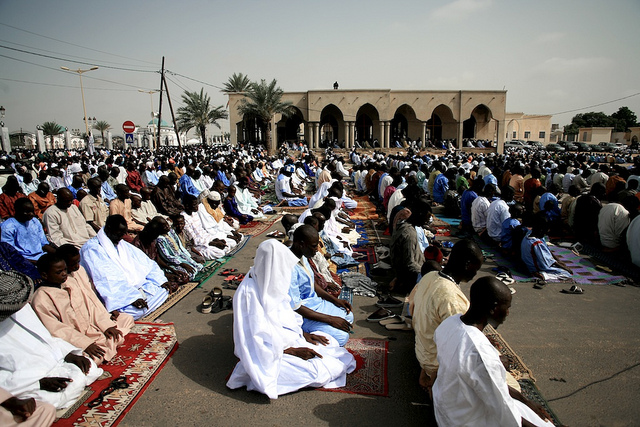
[25, 233]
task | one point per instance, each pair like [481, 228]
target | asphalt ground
[584, 351]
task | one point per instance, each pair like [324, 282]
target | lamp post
[151, 92]
[84, 108]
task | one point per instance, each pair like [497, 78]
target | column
[347, 143]
[459, 141]
[382, 134]
[309, 136]
[387, 134]
[6, 142]
[352, 133]
[423, 138]
[316, 134]
[501, 125]
[67, 139]
[40, 141]
[109, 141]
[138, 140]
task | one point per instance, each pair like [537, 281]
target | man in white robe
[33, 364]
[247, 204]
[210, 245]
[471, 388]
[276, 357]
[126, 279]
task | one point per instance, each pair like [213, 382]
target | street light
[151, 92]
[84, 109]
[2, 111]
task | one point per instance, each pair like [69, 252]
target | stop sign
[128, 126]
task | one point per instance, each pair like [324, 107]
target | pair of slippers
[397, 323]
[505, 277]
[577, 290]
[277, 234]
[215, 302]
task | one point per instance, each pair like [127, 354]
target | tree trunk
[203, 135]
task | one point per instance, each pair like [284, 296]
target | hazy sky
[550, 55]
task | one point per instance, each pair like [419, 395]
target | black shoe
[389, 301]
[380, 314]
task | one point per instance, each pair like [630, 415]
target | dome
[163, 123]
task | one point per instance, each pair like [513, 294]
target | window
[527, 134]
[541, 134]
[514, 134]
[584, 137]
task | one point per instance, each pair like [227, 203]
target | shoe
[573, 290]
[207, 303]
[391, 320]
[389, 301]
[379, 315]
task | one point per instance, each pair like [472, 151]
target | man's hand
[54, 384]
[80, 361]
[333, 288]
[140, 303]
[187, 267]
[22, 408]
[114, 315]
[254, 211]
[95, 351]
[346, 230]
[303, 353]
[217, 243]
[339, 323]
[315, 339]
[342, 304]
[113, 333]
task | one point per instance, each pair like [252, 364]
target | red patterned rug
[145, 352]
[256, 228]
[370, 376]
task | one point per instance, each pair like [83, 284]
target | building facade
[529, 127]
[379, 114]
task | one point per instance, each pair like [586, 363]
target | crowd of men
[106, 238]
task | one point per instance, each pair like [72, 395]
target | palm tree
[263, 101]
[198, 113]
[237, 83]
[52, 129]
[102, 126]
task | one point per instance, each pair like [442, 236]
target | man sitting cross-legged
[24, 232]
[471, 388]
[124, 277]
[70, 309]
[320, 310]
[34, 364]
[276, 356]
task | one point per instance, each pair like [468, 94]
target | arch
[634, 139]
[252, 130]
[480, 124]
[332, 125]
[289, 127]
[442, 124]
[405, 125]
[513, 129]
[367, 127]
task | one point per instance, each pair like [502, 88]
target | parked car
[535, 144]
[569, 146]
[608, 146]
[596, 148]
[515, 143]
[582, 146]
[555, 147]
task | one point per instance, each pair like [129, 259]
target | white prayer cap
[214, 195]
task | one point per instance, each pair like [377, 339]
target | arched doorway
[480, 125]
[405, 125]
[331, 125]
[289, 127]
[441, 125]
[367, 127]
[513, 130]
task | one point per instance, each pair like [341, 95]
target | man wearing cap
[283, 189]
[33, 364]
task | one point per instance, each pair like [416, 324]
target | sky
[552, 56]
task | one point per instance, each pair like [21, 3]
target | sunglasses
[118, 383]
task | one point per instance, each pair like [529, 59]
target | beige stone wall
[595, 135]
[381, 105]
[521, 123]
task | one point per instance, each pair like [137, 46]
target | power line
[597, 105]
[69, 86]
[73, 60]
[195, 80]
[76, 45]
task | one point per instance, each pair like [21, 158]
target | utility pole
[173, 116]
[160, 107]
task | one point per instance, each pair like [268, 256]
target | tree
[625, 118]
[237, 83]
[102, 126]
[263, 101]
[198, 113]
[52, 129]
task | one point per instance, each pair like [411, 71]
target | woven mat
[256, 228]
[145, 352]
[239, 246]
[365, 209]
[370, 375]
[172, 300]
[520, 371]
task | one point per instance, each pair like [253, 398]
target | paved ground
[590, 341]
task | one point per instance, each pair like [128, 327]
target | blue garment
[553, 212]
[152, 177]
[74, 191]
[440, 188]
[465, 205]
[28, 238]
[107, 192]
[538, 258]
[187, 187]
[506, 237]
[380, 193]
[10, 259]
[302, 292]
[231, 208]
[112, 281]
[222, 177]
[491, 179]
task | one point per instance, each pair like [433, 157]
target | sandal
[573, 290]
[391, 320]
[540, 284]
[207, 303]
[228, 272]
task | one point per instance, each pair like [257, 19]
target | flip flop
[228, 271]
[577, 290]
[207, 303]
[391, 320]
[399, 327]
[540, 284]
[504, 278]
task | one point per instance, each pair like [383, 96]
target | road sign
[128, 138]
[128, 126]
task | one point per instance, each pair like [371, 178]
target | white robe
[246, 203]
[471, 387]
[264, 325]
[29, 353]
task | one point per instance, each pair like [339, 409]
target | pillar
[352, 133]
[67, 139]
[6, 142]
[40, 141]
[316, 134]
[138, 140]
[387, 134]
[109, 141]
[382, 135]
[309, 136]
[423, 138]
[501, 126]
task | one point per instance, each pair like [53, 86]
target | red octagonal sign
[128, 126]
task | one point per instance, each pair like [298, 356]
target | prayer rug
[146, 350]
[239, 246]
[613, 261]
[256, 228]
[452, 222]
[370, 375]
[370, 252]
[365, 209]
[171, 300]
[520, 371]
[210, 268]
[584, 271]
